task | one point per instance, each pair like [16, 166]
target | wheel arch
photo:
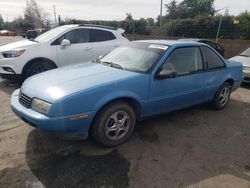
[129, 100]
[231, 81]
[30, 62]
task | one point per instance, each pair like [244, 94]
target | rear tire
[38, 67]
[222, 96]
[114, 124]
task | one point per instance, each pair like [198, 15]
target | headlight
[40, 106]
[13, 53]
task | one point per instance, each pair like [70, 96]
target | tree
[189, 8]
[245, 24]
[128, 23]
[1, 21]
[34, 14]
[20, 25]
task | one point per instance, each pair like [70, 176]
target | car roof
[93, 26]
[172, 42]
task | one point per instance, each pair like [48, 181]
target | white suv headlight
[40, 106]
[13, 53]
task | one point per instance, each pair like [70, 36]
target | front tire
[38, 67]
[114, 124]
[222, 96]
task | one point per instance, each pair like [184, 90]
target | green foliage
[244, 24]
[128, 23]
[203, 27]
[195, 18]
[189, 9]
[140, 27]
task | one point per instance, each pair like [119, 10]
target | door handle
[87, 48]
[116, 45]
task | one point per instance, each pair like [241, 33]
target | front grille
[24, 100]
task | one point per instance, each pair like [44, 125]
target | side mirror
[164, 74]
[65, 43]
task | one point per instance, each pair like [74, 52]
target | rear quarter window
[102, 35]
[212, 60]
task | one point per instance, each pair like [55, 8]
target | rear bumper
[57, 125]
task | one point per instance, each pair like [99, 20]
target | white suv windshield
[51, 34]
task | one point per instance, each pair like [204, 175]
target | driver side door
[187, 89]
[80, 49]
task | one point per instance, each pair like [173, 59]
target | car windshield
[246, 53]
[136, 57]
[51, 34]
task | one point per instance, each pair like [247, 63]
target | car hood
[242, 59]
[17, 45]
[58, 83]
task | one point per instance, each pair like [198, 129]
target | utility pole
[161, 14]
[218, 30]
[54, 6]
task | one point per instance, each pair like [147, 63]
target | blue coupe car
[104, 99]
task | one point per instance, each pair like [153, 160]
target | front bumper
[58, 125]
[16, 64]
[9, 69]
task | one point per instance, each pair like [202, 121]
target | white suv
[61, 46]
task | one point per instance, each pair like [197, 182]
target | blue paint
[86, 88]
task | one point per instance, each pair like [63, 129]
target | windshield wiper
[112, 64]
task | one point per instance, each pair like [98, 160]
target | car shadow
[8, 86]
[62, 163]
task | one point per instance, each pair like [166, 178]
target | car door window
[184, 61]
[213, 61]
[77, 36]
[101, 35]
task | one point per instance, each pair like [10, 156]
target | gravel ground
[194, 147]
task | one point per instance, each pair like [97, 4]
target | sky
[106, 9]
